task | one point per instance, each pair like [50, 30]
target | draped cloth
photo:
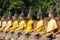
[8, 25]
[40, 26]
[14, 25]
[21, 26]
[51, 25]
[3, 25]
[0, 23]
[29, 26]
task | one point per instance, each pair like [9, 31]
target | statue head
[21, 15]
[51, 12]
[14, 17]
[9, 16]
[29, 16]
[39, 14]
[3, 17]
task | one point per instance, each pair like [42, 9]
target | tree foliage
[11, 6]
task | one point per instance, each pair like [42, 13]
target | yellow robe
[22, 25]
[40, 26]
[51, 25]
[3, 25]
[29, 26]
[14, 25]
[8, 25]
[0, 25]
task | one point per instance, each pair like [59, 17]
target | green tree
[11, 6]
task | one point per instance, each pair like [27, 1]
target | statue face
[13, 18]
[50, 15]
[39, 16]
[29, 17]
[21, 17]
